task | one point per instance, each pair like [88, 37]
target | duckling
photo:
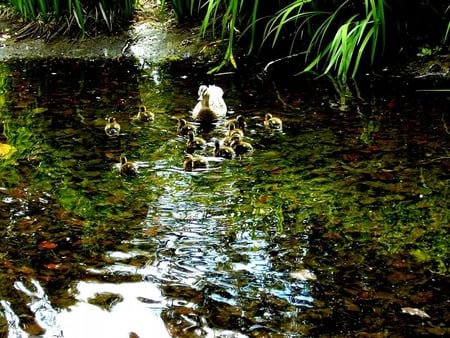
[183, 127]
[273, 122]
[145, 116]
[239, 122]
[226, 141]
[112, 127]
[194, 162]
[232, 130]
[194, 143]
[127, 168]
[240, 147]
[223, 151]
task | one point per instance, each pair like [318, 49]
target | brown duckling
[274, 123]
[127, 168]
[233, 130]
[192, 162]
[223, 151]
[240, 147]
[226, 141]
[112, 127]
[239, 122]
[194, 143]
[183, 127]
[144, 115]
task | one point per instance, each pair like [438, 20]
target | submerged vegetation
[338, 221]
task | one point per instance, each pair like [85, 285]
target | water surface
[333, 227]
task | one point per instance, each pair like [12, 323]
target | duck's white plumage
[215, 103]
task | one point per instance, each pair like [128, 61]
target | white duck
[214, 102]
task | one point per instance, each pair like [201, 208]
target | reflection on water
[328, 228]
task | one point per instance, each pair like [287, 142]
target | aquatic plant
[72, 17]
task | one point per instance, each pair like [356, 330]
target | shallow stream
[338, 226]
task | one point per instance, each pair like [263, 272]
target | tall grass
[335, 36]
[86, 15]
[338, 39]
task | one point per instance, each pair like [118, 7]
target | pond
[336, 226]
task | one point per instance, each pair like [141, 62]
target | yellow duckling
[273, 122]
[112, 127]
[239, 122]
[226, 141]
[127, 168]
[194, 143]
[240, 147]
[145, 116]
[194, 162]
[233, 130]
[223, 151]
[183, 127]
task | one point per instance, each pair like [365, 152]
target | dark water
[336, 227]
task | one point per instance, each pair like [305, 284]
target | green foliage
[425, 51]
[336, 37]
[83, 14]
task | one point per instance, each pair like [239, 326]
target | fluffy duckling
[223, 151]
[240, 147]
[226, 141]
[194, 162]
[112, 127]
[183, 127]
[273, 122]
[233, 130]
[239, 122]
[145, 116]
[127, 168]
[194, 143]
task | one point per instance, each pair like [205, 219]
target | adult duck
[211, 105]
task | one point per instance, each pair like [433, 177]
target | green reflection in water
[341, 192]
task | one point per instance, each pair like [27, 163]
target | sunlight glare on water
[137, 311]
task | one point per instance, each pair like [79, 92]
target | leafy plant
[425, 51]
[336, 37]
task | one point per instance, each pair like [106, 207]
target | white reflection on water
[137, 311]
